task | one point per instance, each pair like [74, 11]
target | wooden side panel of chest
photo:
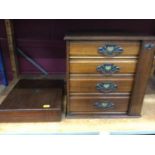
[107, 77]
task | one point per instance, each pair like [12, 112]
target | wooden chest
[107, 75]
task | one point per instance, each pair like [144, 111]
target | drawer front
[97, 66]
[111, 104]
[104, 48]
[100, 85]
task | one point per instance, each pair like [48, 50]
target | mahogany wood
[142, 75]
[33, 100]
[89, 66]
[11, 46]
[90, 48]
[87, 104]
[83, 57]
[88, 84]
[108, 36]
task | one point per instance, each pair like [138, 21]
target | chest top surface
[105, 36]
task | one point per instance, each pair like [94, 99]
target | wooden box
[32, 101]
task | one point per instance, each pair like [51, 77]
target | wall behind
[43, 39]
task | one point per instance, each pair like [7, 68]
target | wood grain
[88, 66]
[107, 36]
[83, 59]
[88, 84]
[88, 48]
[8, 89]
[30, 116]
[67, 76]
[142, 74]
[11, 46]
[86, 104]
[29, 97]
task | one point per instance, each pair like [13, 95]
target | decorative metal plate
[107, 68]
[106, 87]
[110, 50]
[149, 46]
[104, 105]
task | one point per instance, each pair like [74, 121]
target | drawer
[102, 66]
[94, 104]
[104, 48]
[100, 85]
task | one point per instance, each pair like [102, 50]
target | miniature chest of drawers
[107, 75]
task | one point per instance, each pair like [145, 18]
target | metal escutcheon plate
[107, 68]
[110, 50]
[104, 105]
[106, 87]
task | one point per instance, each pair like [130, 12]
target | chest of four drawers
[102, 75]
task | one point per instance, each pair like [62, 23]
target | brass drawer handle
[110, 50]
[106, 87]
[107, 68]
[104, 105]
